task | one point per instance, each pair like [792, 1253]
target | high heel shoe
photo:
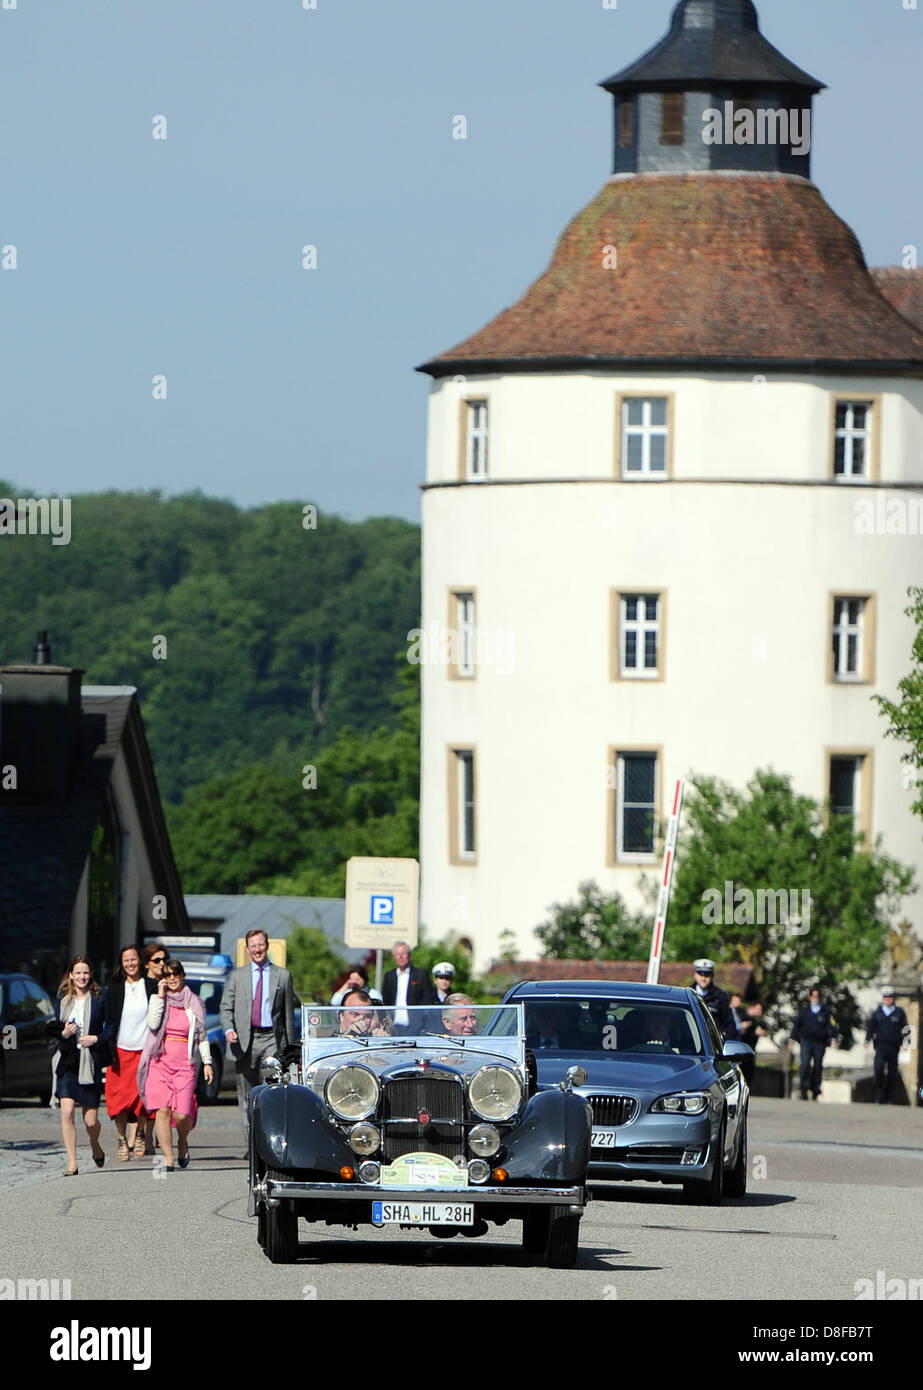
[124, 1153]
[100, 1159]
[70, 1173]
[183, 1159]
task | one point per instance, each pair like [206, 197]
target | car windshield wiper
[371, 1040]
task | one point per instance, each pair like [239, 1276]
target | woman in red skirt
[126, 1012]
[167, 1071]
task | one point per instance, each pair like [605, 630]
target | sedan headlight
[495, 1093]
[683, 1103]
[352, 1093]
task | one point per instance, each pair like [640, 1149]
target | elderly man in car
[459, 1016]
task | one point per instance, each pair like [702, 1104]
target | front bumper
[651, 1149]
[324, 1198]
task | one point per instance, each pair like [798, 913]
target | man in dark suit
[257, 1015]
[406, 986]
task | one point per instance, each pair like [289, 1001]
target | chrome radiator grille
[402, 1100]
[613, 1110]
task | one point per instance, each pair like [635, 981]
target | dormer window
[672, 112]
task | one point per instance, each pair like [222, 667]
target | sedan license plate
[603, 1139]
[423, 1213]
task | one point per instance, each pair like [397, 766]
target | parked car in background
[430, 1123]
[668, 1097]
[208, 981]
[25, 1057]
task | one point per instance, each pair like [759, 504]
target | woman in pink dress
[167, 1071]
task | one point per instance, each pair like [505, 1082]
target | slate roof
[902, 288]
[238, 913]
[44, 845]
[716, 42]
[730, 269]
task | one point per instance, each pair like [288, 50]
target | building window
[625, 124]
[462, 806]
[849, 786]
[644, 435]
[463, 622]
[852, 638]
[852, 441]
[635, 805]
[672, 110]
[639, 636]
[475, 440]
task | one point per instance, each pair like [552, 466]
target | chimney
[40, 724]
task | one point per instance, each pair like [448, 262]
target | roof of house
[715, 41]
[736, 979]
[704, 269]
[44, 844]
[237, 913]
[903, 288]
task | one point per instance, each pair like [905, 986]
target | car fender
[290, 1129]
[551, 1141]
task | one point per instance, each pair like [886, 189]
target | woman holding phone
[167, 1070]
[82, 1032]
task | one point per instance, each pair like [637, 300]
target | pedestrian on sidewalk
[79, 1025]
[167, 1071]
[889, 1030]
[815, 1031]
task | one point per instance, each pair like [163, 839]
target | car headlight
[683, 1103]
[495, 1093]
[352, 1093]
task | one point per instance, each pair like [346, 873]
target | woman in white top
[126, 1013]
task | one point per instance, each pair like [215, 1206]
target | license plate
[423, 1213]
[603, 1139]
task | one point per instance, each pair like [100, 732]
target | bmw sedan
[668, 1098]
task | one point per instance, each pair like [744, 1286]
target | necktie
[256, 1013]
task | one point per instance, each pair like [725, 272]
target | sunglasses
[157, 960]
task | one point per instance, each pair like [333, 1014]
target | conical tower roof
[709, 269]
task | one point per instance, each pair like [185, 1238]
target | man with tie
[257, 1015]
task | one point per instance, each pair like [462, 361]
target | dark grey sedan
[668, 1098]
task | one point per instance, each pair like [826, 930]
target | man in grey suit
[257, 1015]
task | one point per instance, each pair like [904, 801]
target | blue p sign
[382, 910]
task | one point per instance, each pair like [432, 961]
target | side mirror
[736, 1049]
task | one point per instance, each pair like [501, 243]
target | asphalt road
[835, 1197]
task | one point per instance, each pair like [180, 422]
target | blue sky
[333, 127]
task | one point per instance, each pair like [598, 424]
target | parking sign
[381, 902]
[382, 914]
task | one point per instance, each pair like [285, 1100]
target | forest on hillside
[258, 639]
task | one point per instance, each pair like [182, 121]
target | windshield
[209, 991]
[355, 1024]
[598, 1024]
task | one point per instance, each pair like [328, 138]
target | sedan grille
[613, 1110]
[402, 1100]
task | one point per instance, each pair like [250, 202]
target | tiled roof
[904, 289]
[709, 268]
[712, 41]
[736, 979]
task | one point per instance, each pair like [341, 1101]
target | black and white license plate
[423, 1213]
[603, 1139]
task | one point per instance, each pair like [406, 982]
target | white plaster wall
[747, 569]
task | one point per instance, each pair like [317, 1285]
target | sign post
[381, 902]
[666, 879]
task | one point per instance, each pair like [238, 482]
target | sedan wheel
[281, 1228]
[535, 1232]
[708, 1194]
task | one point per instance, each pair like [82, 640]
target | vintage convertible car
[668, 1098]
[418, 1118]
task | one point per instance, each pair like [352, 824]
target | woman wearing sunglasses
[167, 1070]
[127, 1001]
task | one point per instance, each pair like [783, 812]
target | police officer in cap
[716, 999]
[888, 1029]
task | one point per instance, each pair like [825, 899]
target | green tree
[314, 964]
[596, 926]
[770, 839]
[905, 719]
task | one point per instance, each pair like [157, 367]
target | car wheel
[563, 1238]
[261, 1226]
[735, 1184]
[708, 1194]
[44, 1096]
[281, 1230]
[535, 1232]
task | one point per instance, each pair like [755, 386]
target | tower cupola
[713, 95]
